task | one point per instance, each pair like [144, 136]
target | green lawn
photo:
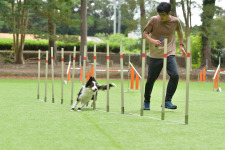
[28, 123]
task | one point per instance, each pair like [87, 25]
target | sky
[196, 19]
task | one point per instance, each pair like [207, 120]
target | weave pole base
[186, 119]
[94, 106]
[53, 100]
[122, 110]
[141, 112]
[163, 116]
[107, 108]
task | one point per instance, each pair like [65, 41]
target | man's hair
[164, 7]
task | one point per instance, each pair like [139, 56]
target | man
[160, 27]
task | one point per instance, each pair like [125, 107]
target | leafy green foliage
[129, 45]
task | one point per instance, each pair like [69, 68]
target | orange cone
[92, 71]
[137, 81]
[204, 74]
[132, 78]
[200, 76]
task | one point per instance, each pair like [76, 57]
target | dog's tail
[104, 87]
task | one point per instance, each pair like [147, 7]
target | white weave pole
[121, 74]
[94, 104]
[46, 75]
[84, 64]
[52, 64]
[143, 78]
[62, 73]
[164, 79]
[74, 61]
[39, 68]
[107, 57]
[187, 78]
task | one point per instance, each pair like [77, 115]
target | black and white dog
[88, 91]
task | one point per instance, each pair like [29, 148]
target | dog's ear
[93, 79]
[89, 82]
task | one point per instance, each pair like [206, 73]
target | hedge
[33, 45]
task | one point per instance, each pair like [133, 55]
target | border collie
[88, 92]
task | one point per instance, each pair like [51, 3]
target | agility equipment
[142, 79]
[52, 65]
[164, 80]
[203, 75]
[121, 75]
[187, 78]
[39, 66]
[107, 57]
[46, 75]
[74, 60]
[62, 73]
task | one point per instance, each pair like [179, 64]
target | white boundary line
[126, 114]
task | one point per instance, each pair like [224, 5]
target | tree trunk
[143, 20]
[206, 17]
[52, 34]
[19, 30]
[173, 4]
[83, 28]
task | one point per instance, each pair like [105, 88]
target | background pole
[46, 75]
[187, 78]
[121, 74]
[164, 80]
[142, 78]
[94, 104]
[74, 61]
[62, 74]
[52, 64]
[107, 57]
[39, 68]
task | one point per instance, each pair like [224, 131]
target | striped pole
[187, 78]
[121, 74]
[52, 64]
[46, 75]
[94, 104]
[62, 74]
[143, 78]
[164, 79]
[39, 68]
[74, 61]
[107, 57]
[84, 64]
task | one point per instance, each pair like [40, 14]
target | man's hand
[182, 51]
[156, 42]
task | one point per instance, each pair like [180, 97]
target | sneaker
[169, 105]
[146, 105]
[72, 109]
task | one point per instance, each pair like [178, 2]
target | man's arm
[151, 40]
[182, 50]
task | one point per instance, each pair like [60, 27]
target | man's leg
[173, 81]
[154, 69]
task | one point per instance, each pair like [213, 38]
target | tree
[52, 31]
[173, 4]
[207, 19]
[20, 12]
[187, 16]
[83, 27]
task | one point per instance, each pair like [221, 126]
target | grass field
[27, 123]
